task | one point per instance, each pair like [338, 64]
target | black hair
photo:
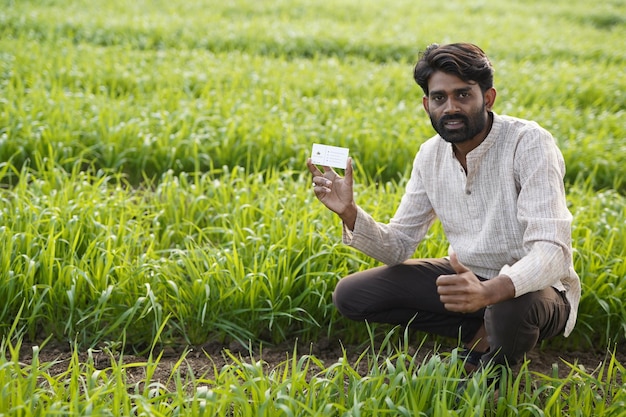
[465, 60]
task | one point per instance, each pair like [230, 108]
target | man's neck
[463, 148]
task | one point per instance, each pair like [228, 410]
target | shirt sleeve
[542, 210]
[396, 241]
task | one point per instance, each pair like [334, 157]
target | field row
[227, 255]
[76, 86]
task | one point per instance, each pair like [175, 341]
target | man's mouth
[453, 124]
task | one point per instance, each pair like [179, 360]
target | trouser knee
[514, 327]
[344, 302]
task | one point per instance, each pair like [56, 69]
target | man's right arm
[388, 243]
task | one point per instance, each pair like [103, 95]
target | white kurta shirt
[507, 215]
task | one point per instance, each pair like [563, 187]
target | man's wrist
[349, 216]
[500, 288]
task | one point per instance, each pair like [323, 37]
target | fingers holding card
[327, 155]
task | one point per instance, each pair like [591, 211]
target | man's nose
[451, 107]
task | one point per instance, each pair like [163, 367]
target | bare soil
[205, 360]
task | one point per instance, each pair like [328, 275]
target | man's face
[458, 109]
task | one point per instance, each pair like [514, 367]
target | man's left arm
[542, 211]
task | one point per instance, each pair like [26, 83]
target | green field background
[152, 155]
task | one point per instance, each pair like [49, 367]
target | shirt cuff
[347, 235]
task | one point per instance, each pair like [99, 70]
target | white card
[327, 155]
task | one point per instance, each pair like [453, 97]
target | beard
[472, 126]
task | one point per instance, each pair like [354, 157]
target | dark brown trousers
[406, 294]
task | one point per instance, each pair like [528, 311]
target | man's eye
[464, 95]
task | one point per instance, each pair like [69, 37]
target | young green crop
[227, 255]
[154, 190]
[396, 380]
[223, 84]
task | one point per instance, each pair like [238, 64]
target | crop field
[154, 196]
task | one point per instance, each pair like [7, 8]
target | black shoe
[494, 374]
[472, 359]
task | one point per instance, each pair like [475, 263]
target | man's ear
[490, 98]
[425, 103]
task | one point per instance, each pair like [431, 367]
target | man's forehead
[442, 82]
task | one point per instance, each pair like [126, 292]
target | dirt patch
[205, 361]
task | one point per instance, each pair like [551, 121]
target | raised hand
[335, 191]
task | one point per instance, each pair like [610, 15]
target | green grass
[396, 381]
[152, 162]
[177, 90]
[227, 254]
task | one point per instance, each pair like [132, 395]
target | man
[496, 185]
